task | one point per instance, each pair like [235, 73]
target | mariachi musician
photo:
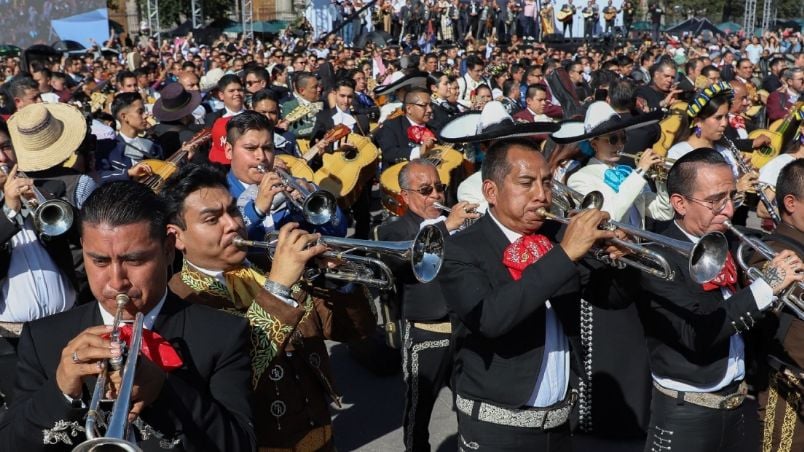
[393, 139]
[784, 332]
[610, 15]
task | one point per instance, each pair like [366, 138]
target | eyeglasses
[614, 140]
[428, 190]
[419, 105]
[717, 206]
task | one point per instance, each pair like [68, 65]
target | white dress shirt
[148, 321]
[551, 386]
[735, 368]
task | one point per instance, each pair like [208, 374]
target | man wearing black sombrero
[174, 110]
[513, 284]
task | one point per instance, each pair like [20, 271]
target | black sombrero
[417, 78]
[493, 123]
[600, 120]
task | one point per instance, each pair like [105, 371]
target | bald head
[189, 81]
[740, 101]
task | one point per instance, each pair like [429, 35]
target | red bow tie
[417, 134]
[727, 277]
[525, 251]
[736, 122]
[154, 347]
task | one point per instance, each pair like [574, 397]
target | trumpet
[466, 223]
[117, 431]
[566, 199]
[745, 168]
[706, 258]
[318, 207]
[657, 172]
[425, 254]
[51, 217]
[791, 297]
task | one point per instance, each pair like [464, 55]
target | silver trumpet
[467, 222]
[425, 254]
[792, 296]
[318, 207]
[117, 431]
[706, 258]
[657, 172]
[51, 217]
[566, 199]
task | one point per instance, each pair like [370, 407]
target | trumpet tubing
[52, 217]
[318, 207]
[658, 171]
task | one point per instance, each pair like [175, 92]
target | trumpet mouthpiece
[122, 299]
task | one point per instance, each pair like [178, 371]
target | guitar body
[391, 191]
[764, 154]
[304, 145]
[161, 171]
[447, 159]
[564, 16]
[345, 172]
[610, 15]
[669, 128]
[298, 167]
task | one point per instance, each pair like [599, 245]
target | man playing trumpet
[193, 394]
[289, 318]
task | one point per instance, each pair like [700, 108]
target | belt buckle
[731, 402]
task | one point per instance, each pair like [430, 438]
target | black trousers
[427, 366]
[479, 436]
[678, 426]
[8, 369]
[567, 26]
[588, 29]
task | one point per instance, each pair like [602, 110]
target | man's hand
[270, 185]
[293, 250]
[148, 384]
[760, 141]
[14, 188]
[670, 98]
[583, 231]
[139, 171]
[783, 270]
[83, 357]
[460, 213]
[427, 145]
[747, 181]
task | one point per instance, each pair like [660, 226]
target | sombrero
[176, 102]
[417, 78]
[46, 135]
[600, 120]
[493, 123]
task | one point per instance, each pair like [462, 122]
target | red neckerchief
[417, 134]
[727, 277]
[154, 347]
[736, 122]
[525, 251]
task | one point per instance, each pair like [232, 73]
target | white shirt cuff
[763, 294]
[416, 152]
[72, 400]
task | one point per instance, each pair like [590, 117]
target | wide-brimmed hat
[45, 135]
[175, 103]
[210, 79]
[600, 120]
[417, 78]
[493, 123]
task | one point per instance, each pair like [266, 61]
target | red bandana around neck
[727, 277]
[154, 347]
[525, 251]
[417, 134]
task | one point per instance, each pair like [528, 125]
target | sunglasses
[614, 140]
[428, 190]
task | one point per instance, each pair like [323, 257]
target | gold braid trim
[770, 416]
[202, 283]
[267, 335]
[790, 415]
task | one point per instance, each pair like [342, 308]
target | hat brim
[414, 79]
[73, 132]
[163, 114]
[463, 129]
[574, 131]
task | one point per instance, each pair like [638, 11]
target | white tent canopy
[83, 28]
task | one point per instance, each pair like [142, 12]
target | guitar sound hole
[349, 152]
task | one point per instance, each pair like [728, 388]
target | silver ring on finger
[76, 359]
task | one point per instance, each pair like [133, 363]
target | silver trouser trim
[543, 418]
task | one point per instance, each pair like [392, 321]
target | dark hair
[189, 179]
[302, 79]
[122, 203]
[621, 95]
[248, 120]
[122, 75]
[685, 130]
[662, 64]
[257, 71]
[790, 182]
[20, 83]
[689, 66]
[472, 61]
[123, 101]
[706, 70]
[344, 82]
[228, 79]
[535, 88]
[509, 86]
[415, 90]
[277, 69]
[4, 127]
[681, 178]
[495, 164]
[263, 94]
[45, 71]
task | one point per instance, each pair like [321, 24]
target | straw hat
[210, 79]
[45, 135]
[493, 123]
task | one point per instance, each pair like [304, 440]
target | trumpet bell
[427, 253]
[53, 217]
[593, 200]
[319, 207]
[708, 257]
[105, 444]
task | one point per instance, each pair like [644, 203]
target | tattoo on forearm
[774, 276]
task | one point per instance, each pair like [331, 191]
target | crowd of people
[519, 174]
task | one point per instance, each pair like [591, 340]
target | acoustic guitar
[565, 15]
[610, 13]
[161, 170]
[780, 133]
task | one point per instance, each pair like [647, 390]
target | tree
[173, 12]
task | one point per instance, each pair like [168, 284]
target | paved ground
[371, 417]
